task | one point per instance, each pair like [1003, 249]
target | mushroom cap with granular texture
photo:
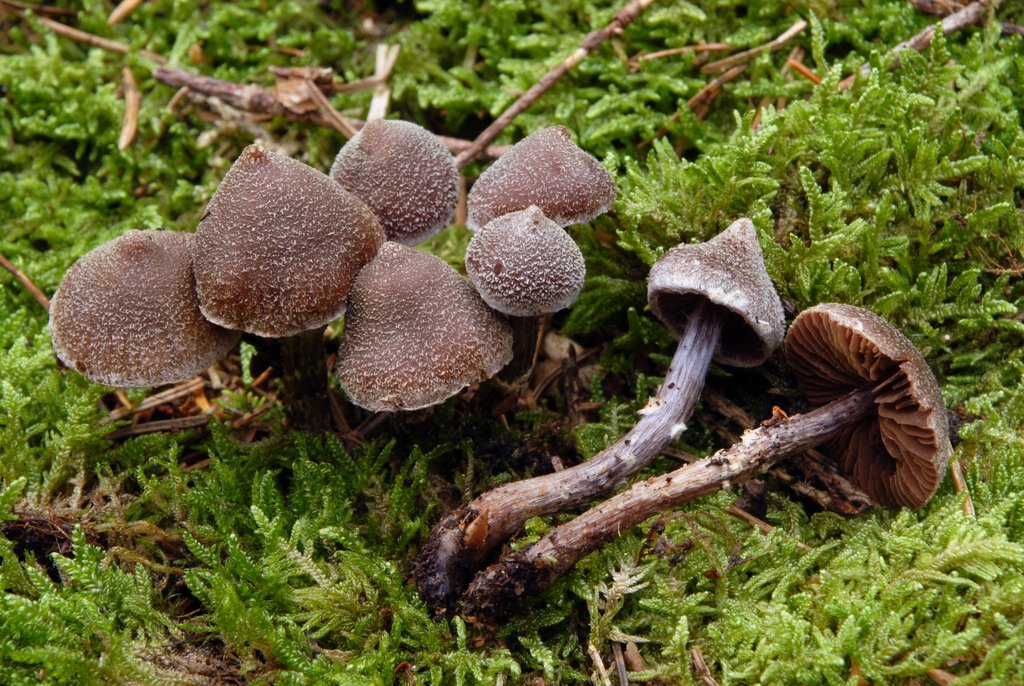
[404, 174]
[548, 170]
[729, 271]
[416, 333]
[524, 264]
[899, 455]
[279, 245]
[126, 314]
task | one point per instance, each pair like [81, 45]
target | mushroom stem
[460, 544]
[537, 567]
[525, 336]
[304, 381]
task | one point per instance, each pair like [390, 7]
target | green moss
[284, 561]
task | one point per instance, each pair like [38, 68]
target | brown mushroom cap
[126, 314]
[548, 170]
[279, 246]
[729, 271]
[524, 264]
[898, 456]
[404, 175]
[416, 333]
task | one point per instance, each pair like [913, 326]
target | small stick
[180, 391]
[176, 100]
[1012, 30]
[596, 657]
[163, 425]
[701, 100]
[123, 10]
[386, 58]
[83, 37]
[249, 417]
[954, 22]
[702, 47]
[747, 55]
[332, 115]
[620, 664]
[42, 9]
[804, 71]
[702, 667]
[132, 103]
[620, 20]
[753, 521]
[257, 100]
[26, 282]
[961, 487]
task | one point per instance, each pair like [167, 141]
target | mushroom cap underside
[546, 169]
[899, 455]
[126, 314]
[729, 271]
[404, 175]
[279, 245]
[524, 264]
[416, 333]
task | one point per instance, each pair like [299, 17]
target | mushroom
[275, 255]
[404, 175]
[548, 170]
[126, 314]
[886, 420]
[525, 265]
[416, 333]
[706, 293]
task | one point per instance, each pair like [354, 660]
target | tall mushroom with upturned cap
[416, 333]
[525, 265]
[126, 314]
[886, 420]
[719, 299]
[275, 256]
[546, 169]
[404, 175]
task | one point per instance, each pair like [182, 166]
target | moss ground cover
[284, 560]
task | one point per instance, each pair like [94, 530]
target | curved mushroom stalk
[275, 255]
[703, 292]
[893, 417]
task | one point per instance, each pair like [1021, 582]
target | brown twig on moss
[700, 47]
[700, 102]
[256, 100]
[747, 55]
[80, 36]
[125, 8]
[594, 39]
[42, 9]
[26, 282]
[958, 20]
[132, 103]
[804, 71]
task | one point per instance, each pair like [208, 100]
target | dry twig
[596, 657]
[42, 9]
[83, 37]
[123, 10]
[747, 55]
[256, 100]
[804, 71]
[700, 47]
[176, 393]
[620, 20]
[702, 667]
[26, 282]
[954, 22]
[132, 103]
[386, 58]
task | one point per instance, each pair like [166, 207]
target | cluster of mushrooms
[283, 250]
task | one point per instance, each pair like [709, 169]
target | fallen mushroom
[416, 333]
[275, 255]
[893, 418]
[404, 175]
[546, 169]
[717, 297]
[126, 314]
[525, 265]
